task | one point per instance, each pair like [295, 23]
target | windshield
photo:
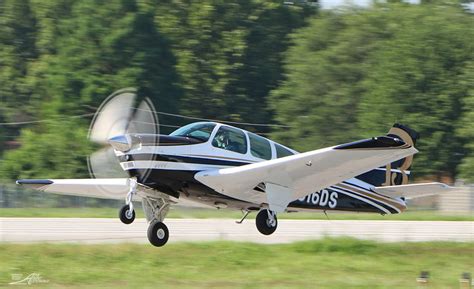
[201, 130]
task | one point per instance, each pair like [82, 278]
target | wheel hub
[271, 222]
[160, 233]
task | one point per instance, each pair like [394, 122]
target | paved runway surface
[112, 231]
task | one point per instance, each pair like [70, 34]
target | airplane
[221, 166]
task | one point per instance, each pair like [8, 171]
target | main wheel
[158, 233]
[265, 224]
[126, 215]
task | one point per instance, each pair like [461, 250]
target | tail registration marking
[322, 198]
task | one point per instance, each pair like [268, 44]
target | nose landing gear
[266, 222]
[155, 209]
[127, 213]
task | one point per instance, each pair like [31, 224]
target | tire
[263, 224]
[157, 233]
[123, 215]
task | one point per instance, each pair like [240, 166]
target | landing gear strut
[155, 211]
[266, 222]
[246, 213]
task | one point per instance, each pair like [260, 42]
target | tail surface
[398, 172]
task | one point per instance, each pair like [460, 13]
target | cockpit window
[282, 152]
[200, 131]
[230, 139]
[260, 147]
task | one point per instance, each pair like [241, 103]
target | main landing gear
[158, 233]
[155, 211]
[266, 222]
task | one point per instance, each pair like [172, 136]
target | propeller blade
[145, 120]
[104, 164]
[113, 116]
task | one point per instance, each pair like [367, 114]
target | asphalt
[96, 230]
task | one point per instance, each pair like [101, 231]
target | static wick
[326, 215]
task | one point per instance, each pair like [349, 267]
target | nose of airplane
[121, 143]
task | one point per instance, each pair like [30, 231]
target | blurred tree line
[331, 76]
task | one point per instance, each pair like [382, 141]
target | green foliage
[466, 123]
[88, 50]
[17, 50]
[229, 53]
[325, 68]
[105, 46]
[415, 79]
[59, 151]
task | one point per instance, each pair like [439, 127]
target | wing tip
[42, 182]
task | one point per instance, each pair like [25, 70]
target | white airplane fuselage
[169, 163]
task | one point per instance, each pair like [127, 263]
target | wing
[280, 181]
[115, 189]
[413, 191]
[97, 188]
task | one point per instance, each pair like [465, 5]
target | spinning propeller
[122, 121]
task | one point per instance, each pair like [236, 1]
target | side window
[282, 152]
[230, 139]
[260, 147]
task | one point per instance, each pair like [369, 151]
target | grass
[210, 213]
[328, 263]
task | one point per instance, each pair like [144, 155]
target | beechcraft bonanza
[221, 166]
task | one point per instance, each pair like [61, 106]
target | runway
[97, 230]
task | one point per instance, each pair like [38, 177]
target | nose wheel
[266, 222]
[127, 214]
[158, 233]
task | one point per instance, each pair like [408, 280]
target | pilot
[223, 140]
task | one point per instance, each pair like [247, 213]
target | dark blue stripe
[180, 159]
[34, 182]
